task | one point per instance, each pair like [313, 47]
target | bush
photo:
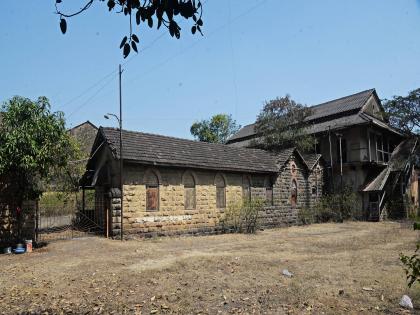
[332, 208]
[242, 217]
[412, 263]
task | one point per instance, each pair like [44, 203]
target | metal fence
[66, 216]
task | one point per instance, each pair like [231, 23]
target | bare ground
[225, 274]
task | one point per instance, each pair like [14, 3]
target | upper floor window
[152, 192]
[220, 183]
[189, 191]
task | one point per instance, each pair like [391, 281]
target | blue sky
[251, 51]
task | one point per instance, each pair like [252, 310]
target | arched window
[246, 189]
[219, 181]
[189, 191]
[269, 191]
[152, 192]
[294, 193]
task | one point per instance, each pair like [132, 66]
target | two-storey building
[359, 147]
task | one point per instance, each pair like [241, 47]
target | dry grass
[217, 274]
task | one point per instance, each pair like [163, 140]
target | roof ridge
[344, 97]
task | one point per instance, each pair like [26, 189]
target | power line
[90, 98]
[88, 89]
[84, 92]
[216, 30]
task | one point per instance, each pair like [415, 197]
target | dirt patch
[224, 274]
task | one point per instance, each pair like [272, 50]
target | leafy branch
[144, 11]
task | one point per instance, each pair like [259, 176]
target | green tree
[216, 130]
[403, 112]
[34, 145]
[282, 123]
[150, 12]
[412, 262]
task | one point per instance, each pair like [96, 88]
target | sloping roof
[244, 132]
[284, 155]
[335, 114]
[401, 154]
[347, 121]
[311, 159]
[378, 183]
[398, 161]
[87, 122]
[169, 151]
[341, 105]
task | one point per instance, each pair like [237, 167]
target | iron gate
[66, 216]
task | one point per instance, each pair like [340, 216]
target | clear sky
[251, 51]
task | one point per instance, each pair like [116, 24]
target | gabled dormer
[373, 107]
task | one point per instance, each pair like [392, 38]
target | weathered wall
[17, 226]
[173, 219]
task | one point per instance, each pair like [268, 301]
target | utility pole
[331, 160]
[121, 157]
[340, 136]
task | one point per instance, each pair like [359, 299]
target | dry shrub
[332, 208]
[242, 217]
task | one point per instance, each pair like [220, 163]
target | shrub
[411, 266]
[250, 213]
[306, 216]
[412, 263]
[334, 207]
[242, 217]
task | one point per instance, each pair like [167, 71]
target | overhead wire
[160, 64]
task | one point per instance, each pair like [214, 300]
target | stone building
[373, 159]
[84, 134]
[175, 186]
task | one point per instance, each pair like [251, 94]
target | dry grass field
[222, 274]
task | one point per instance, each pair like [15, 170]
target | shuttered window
[152, 192]
[294, 192]
[221, 198]
[269, 191]
[189, 192]
[220, 192]
[152, 198]
[246, 189]
[269, 195]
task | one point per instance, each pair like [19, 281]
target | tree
[403, 112]
[282, 123]
[164, 11]
[412, 262]
[216, 130]
[34, 145]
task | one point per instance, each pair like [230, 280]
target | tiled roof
[341, 105]
[348, 107]
[311, 159]
[244, 132]
[168, 151]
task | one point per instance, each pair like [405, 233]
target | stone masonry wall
[173, 219]
[282, 212]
